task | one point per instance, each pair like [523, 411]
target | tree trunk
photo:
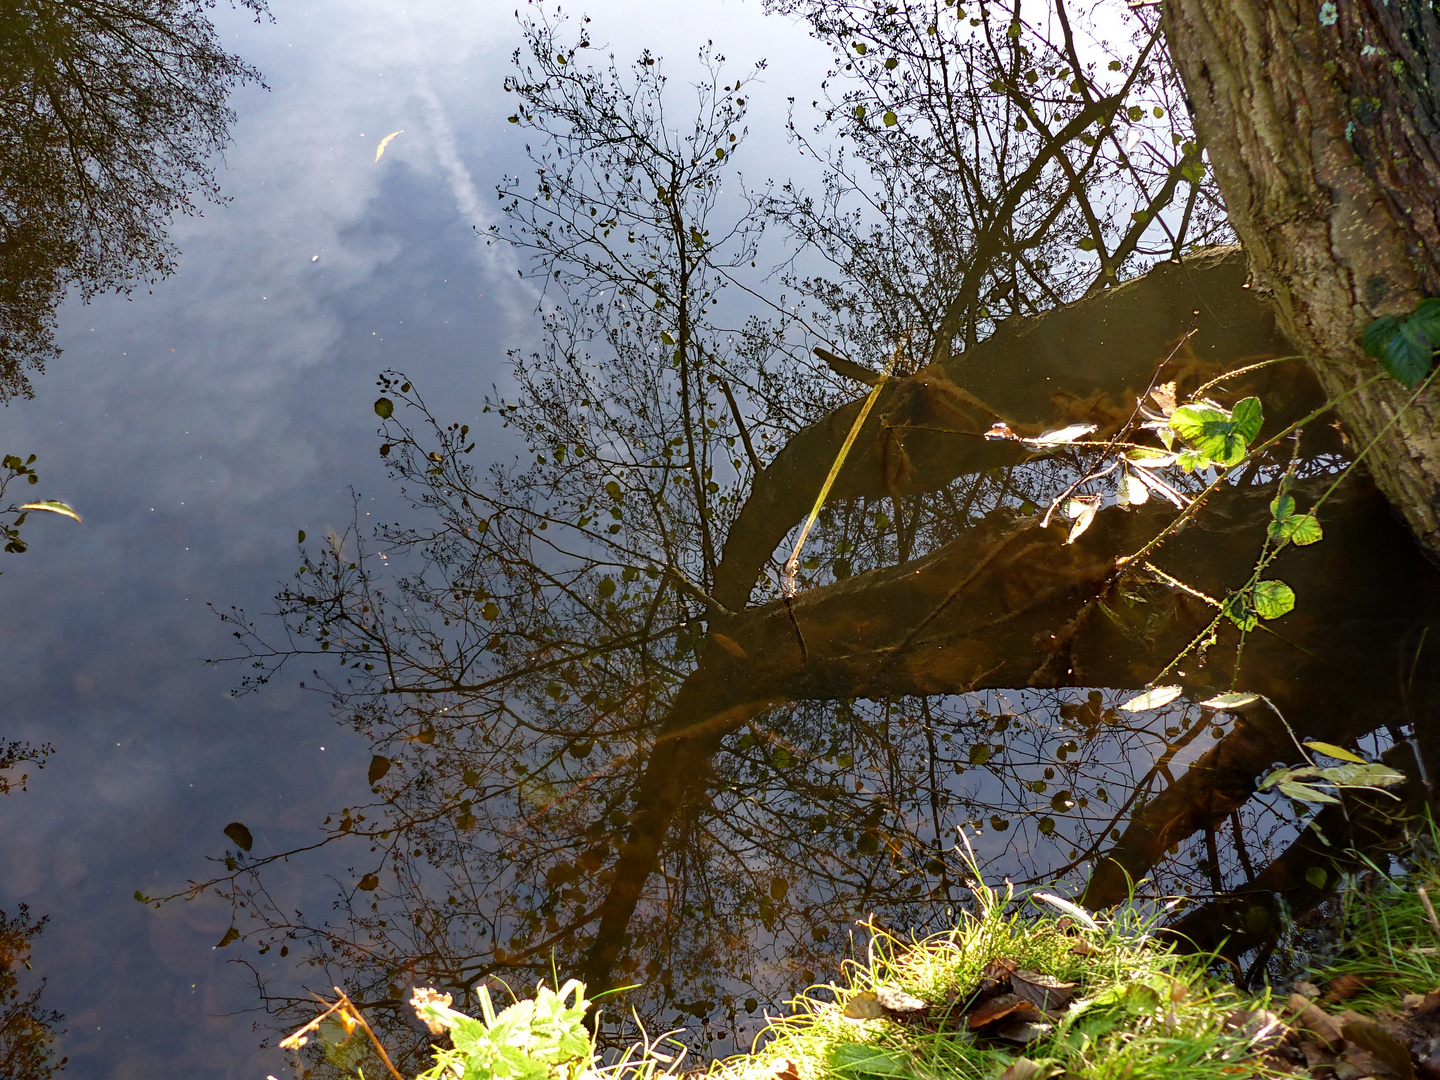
[1322, 122]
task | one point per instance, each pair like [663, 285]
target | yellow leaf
[1331, 750]
[386, 142]
[53, 507]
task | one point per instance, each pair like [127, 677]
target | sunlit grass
[1138, 1010]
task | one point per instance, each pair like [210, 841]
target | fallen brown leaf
[1422, 1003]
[1384, 1048]
[864, 1005]
[785, 1070]
[1345, 987]
[1022, 1068]
[1315, 1020]
[898, 1001]
[1023, 1032]
[1007, 1007]
[1045, 992]
[1262, 1027]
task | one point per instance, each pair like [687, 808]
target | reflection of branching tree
[597, 733]
[27, 1032]
[110, 114]
[999, 162]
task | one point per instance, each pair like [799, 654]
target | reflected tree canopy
[613, 735]
[27, 1031]
[110, 115]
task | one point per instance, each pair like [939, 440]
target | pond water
[707, 818]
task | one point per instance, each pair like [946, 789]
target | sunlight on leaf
[1153, 698]
[53, 507]
[1273, 599]
[1230, 701]
[1082, 511]
[386, 142]
[1331, 750]
[1060, 436]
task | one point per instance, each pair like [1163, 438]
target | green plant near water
[1135, 1010]
[541, 1039]
[1139, 1010]
[1386, 934]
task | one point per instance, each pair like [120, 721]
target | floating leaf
[1153, 698]
[379, 766]
[1061, 436]
[368, 883]
[239, 835]
[667, 338]
[52, 506]
[1234, 700]
[1316, 876]
[230, 935]
[1131, 490]
[386, 142]
[1273, 599]
[1304, 792]
[1338, 752]
[1082, 511]
[384, 408]
[730, 645]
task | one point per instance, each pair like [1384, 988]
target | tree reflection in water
[604, 742]
[110, 116]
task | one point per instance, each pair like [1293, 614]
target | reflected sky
[197, 426]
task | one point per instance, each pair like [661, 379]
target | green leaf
[1405, 347]
[384, 408]
[1282, 507]
[53, 507]
[1214, 433]
[1248, 418]
[1304, 792]
[1086, 243]
[1273, 599]
[1301, 529]
[890, 118]
[859, 112]
[857, 1059]
[1238, 610]
[1153, 698]
[300, 537]
[979, 754]
[239, 835]
[607, 587]
[667, 338]
[1316, 876]
[379, 766]
[490, 612]
[1337, 752]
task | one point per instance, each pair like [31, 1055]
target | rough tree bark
[1322, 122]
